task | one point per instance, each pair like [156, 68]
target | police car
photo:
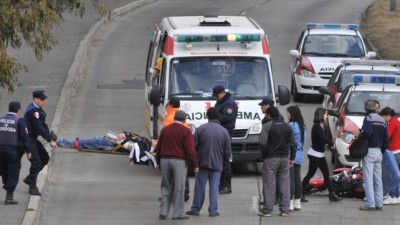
[349, 112]
[200, 52]
[345, 72]
[319, 50]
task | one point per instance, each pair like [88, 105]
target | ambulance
[200, 52]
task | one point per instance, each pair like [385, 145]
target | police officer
[228, 110]
[13, 141]
[35, 118]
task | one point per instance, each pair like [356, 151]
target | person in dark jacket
[374, 127]
[35, 118]
[174, 145]
[276, 142]
[228, 110]
[213, 147]
[316, 154]
[265, 104]
[13, 143]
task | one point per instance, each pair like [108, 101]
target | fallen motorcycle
[347, 182]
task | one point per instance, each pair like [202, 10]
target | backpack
[358, 148]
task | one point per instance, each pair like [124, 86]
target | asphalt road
[102, 189]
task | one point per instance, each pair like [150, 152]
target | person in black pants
[228, 110]
[13, 142]
[35, 118]
[316, 154]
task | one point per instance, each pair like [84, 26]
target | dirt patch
[382, 27]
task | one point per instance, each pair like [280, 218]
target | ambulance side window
[162, 79]
[149, 62]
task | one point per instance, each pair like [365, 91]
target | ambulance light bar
[331, 26]
[218, 38]
[382, 79]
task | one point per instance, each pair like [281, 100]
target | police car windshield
[332, 45]
[243, 77]
[355, 104]
[346, 77]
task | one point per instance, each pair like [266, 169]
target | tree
[30, 22]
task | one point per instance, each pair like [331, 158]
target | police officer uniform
[35, 118]
[13, 141]
[228, 110]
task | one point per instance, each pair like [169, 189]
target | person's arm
[229, 114]
[38, 126]
[292, 144]
[319, 132]
[189, 149]
[227, 147]
[391, 129]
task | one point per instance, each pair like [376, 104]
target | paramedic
[228, 110]
[13, 141]
[35, 118]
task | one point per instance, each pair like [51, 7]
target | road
[103, 189]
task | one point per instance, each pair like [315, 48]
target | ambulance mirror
[155, 96]
[283, 95]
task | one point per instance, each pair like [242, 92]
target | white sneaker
[389, 200]
[291, 206]
[398, 200]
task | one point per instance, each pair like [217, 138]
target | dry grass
[382, 27]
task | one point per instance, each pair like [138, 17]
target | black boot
[227, 189]
[27, 180]
[221, 184]
[10, 198]
[303, 198]
[333, 197]
[33, 189]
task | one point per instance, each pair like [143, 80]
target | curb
[76, 73]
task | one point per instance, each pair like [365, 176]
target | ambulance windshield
[243, 77]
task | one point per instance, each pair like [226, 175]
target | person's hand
[29, 156]
[53, 144]
[196, 170]
[291, 163]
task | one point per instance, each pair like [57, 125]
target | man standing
[35, 118]
[13, 141]
[276, 138]
[213, 147]
[265, 104]
[228, 110]
[375, 128]
[174, 145]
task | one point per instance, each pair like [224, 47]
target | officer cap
[39, 94]
[14, 106]
[267, 101]
[180, 115]
[217, 89]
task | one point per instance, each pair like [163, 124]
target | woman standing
[394, 146]
[296, 121]
[316, 154]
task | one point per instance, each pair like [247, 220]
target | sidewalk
[57, 74]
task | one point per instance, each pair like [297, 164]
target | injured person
[140, 149]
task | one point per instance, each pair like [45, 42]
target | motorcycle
[347, 182]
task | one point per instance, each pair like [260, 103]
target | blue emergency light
[219, 38]
[331, 26]
[381, 79]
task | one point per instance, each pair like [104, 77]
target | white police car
[319, 50]
[345, 72]
[349, 113]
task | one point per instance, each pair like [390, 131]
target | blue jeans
[201, 178]
[372, 176]
[97, 142]
[396, 192]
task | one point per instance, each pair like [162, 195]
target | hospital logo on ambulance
[36, 115]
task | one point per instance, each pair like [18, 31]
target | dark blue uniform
[13, 142]
[35, 119]
[228, 110]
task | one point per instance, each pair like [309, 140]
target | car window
[342, 98]
[357, 98]
[332, 45]
[334, 77]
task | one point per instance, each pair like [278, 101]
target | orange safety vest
[169, 118]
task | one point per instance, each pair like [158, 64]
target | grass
[382, 27]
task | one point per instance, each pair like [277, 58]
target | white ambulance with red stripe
[200, 52]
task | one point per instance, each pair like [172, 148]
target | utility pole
[392, 5]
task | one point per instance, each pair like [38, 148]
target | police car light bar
[381, 79]
[371, 62]
[331, 26]
[218, 38]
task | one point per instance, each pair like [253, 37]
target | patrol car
[319, 50]
[349, 113]
[345, 72]
[200, 52]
